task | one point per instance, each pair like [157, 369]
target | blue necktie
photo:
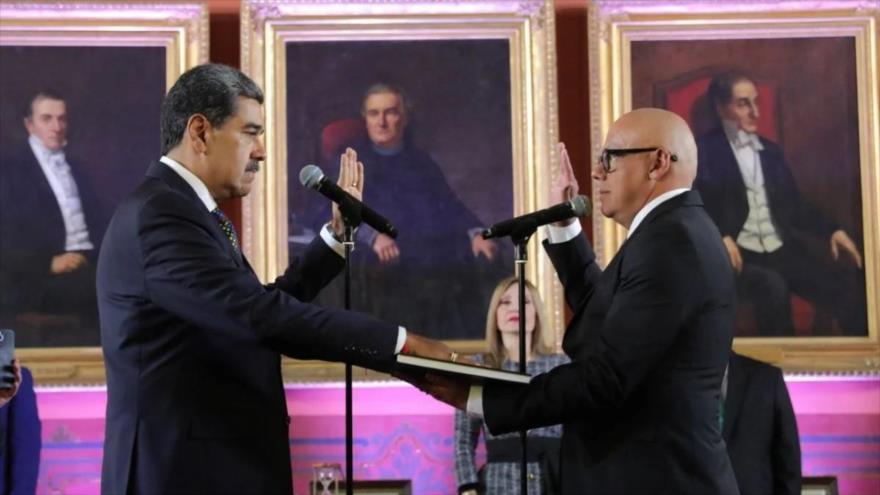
[227, 228]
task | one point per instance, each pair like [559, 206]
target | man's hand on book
[416, 345]
[453, 392]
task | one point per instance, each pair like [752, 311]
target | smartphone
[7, 354]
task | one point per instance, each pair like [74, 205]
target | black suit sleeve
[801, 214]
[786, 453]
[310, 271]
[658, 281]
[575, 264]
[188, 274]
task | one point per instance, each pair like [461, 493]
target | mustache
[252, 166]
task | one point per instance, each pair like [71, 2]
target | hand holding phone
[7, 357]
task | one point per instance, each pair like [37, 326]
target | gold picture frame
[178, 28]
[524, 27]
[622, 31]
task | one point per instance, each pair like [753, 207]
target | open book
[468, 372]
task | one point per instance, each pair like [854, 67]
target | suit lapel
[736, 386]
[732, 174]
[41, 199]
[164, 173]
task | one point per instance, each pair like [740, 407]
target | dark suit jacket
[31, 225]
[721, 185]
[760, 429]
[192, 343]
[20, 440]
[649, 341]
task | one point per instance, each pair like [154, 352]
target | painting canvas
[99, 107]
[81, 88]
[440, 172]
[451, 107]
[806, 143]
[782, 100]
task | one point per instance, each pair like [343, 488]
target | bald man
[650, 335]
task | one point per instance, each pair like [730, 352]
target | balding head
[647, 127]
[652, 151]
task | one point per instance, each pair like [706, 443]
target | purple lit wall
[402, 433]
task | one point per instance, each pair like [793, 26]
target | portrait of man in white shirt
[750, 193]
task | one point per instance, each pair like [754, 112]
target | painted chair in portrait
[686, 96]
[338, 133]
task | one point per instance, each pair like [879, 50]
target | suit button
[531, 476]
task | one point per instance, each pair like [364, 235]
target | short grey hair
[386, 88]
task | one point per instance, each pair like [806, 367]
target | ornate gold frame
[528, 25]
[614, 24]
[182, 28]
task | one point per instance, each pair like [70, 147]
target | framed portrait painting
[451, 108]
[782, 102]
[82, 89]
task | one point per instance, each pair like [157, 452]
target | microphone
[312, 177]
[578, 206]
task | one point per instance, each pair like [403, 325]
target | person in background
[501, 474]
[6, 394]
[650, 334]
[192, 339]
[20, 436]
[760, 428]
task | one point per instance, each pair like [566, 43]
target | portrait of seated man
[764, 219]
[47, 242]
[439, 263]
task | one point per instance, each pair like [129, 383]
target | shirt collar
[194, 182]
[394, 150]
[40, 149]
[740, 138]
[654, 203]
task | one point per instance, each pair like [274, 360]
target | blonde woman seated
[501, 474]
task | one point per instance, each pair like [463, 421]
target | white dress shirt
[758, 233]
[57, 171]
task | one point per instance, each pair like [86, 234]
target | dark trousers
[768, 279]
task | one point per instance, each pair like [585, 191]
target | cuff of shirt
[401, 340]
[331, 241]
[475, 401]
[558, 235]
[474, 232]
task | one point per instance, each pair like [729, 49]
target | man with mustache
[192, 340]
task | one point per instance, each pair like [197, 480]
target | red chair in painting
[686, 96]
[339, 133]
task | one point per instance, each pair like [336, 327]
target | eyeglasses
[608, 154]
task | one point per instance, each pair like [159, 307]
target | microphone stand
[351, 217]
[520, 238]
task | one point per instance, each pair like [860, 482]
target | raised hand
[351, 179]
[565, 185]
